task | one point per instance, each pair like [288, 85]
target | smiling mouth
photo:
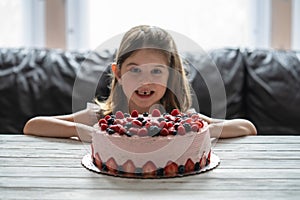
[144, 93]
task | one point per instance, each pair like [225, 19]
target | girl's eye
[135, 69]
[156, 71]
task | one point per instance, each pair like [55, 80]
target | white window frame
[34, 23]
[261, 23]
[77, 24]
[296, 25]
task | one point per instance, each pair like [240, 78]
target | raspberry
[156, 113]
[142, 132]
[134, 113]
[175, 112]
[119, 115]
[181, 130]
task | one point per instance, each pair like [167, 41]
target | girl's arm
[64, 126]
[229, 128]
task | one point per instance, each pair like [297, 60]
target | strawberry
[142, 132]
[116, 127]
[208, 157]
[92, 148]
[149, 169]
[203, 161]
[163, 124]
[111, 165]
[171, 169]
[134, 113]
[156, 113]
[122, 131]
[137, 123]
[195, 128]
[98, 161]
[128, 167]
[189, 166]
[148, 124]
[198, 123]
[181, 130]
[119, 115]
[175, 112]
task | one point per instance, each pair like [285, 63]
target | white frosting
[158, 149]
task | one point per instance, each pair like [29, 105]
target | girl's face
[144, 76]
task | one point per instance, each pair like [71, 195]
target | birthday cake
[151, 145]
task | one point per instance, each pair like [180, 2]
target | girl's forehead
[144, 56]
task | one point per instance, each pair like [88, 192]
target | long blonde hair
[177, 94]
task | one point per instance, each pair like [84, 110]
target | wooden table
[254, 167]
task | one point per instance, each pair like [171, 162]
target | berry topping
[134, 113]
[171, 169]
[128, 167]
[156, 113]
[166, 124]
[189, 165]
[119, 115]
[142, 132]
[181, 130]
[149, 169]
[175, 112]
[164, 132]
[111, 165]
[98, 161]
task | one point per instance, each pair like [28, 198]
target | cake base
[87, 162]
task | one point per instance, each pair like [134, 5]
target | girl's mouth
[144, 93]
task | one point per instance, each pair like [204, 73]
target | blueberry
[187, 127]
[161, 119]
[160, 171]
[104, 167]
[110, 121]
[138, 171]
[181, 169]
[154, 131]
[126, 115]
[197, 166]
[113, 116]
[120, 170]
[128, 133]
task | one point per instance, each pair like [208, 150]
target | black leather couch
[261, 85]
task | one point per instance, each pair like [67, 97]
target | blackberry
[145, 114]
[141, 119]
[110, 131]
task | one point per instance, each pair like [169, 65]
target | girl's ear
[117, 72]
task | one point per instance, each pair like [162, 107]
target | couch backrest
[260, 85]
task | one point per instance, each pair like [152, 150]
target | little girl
[148, 74]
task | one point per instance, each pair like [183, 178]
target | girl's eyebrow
[156, 65]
